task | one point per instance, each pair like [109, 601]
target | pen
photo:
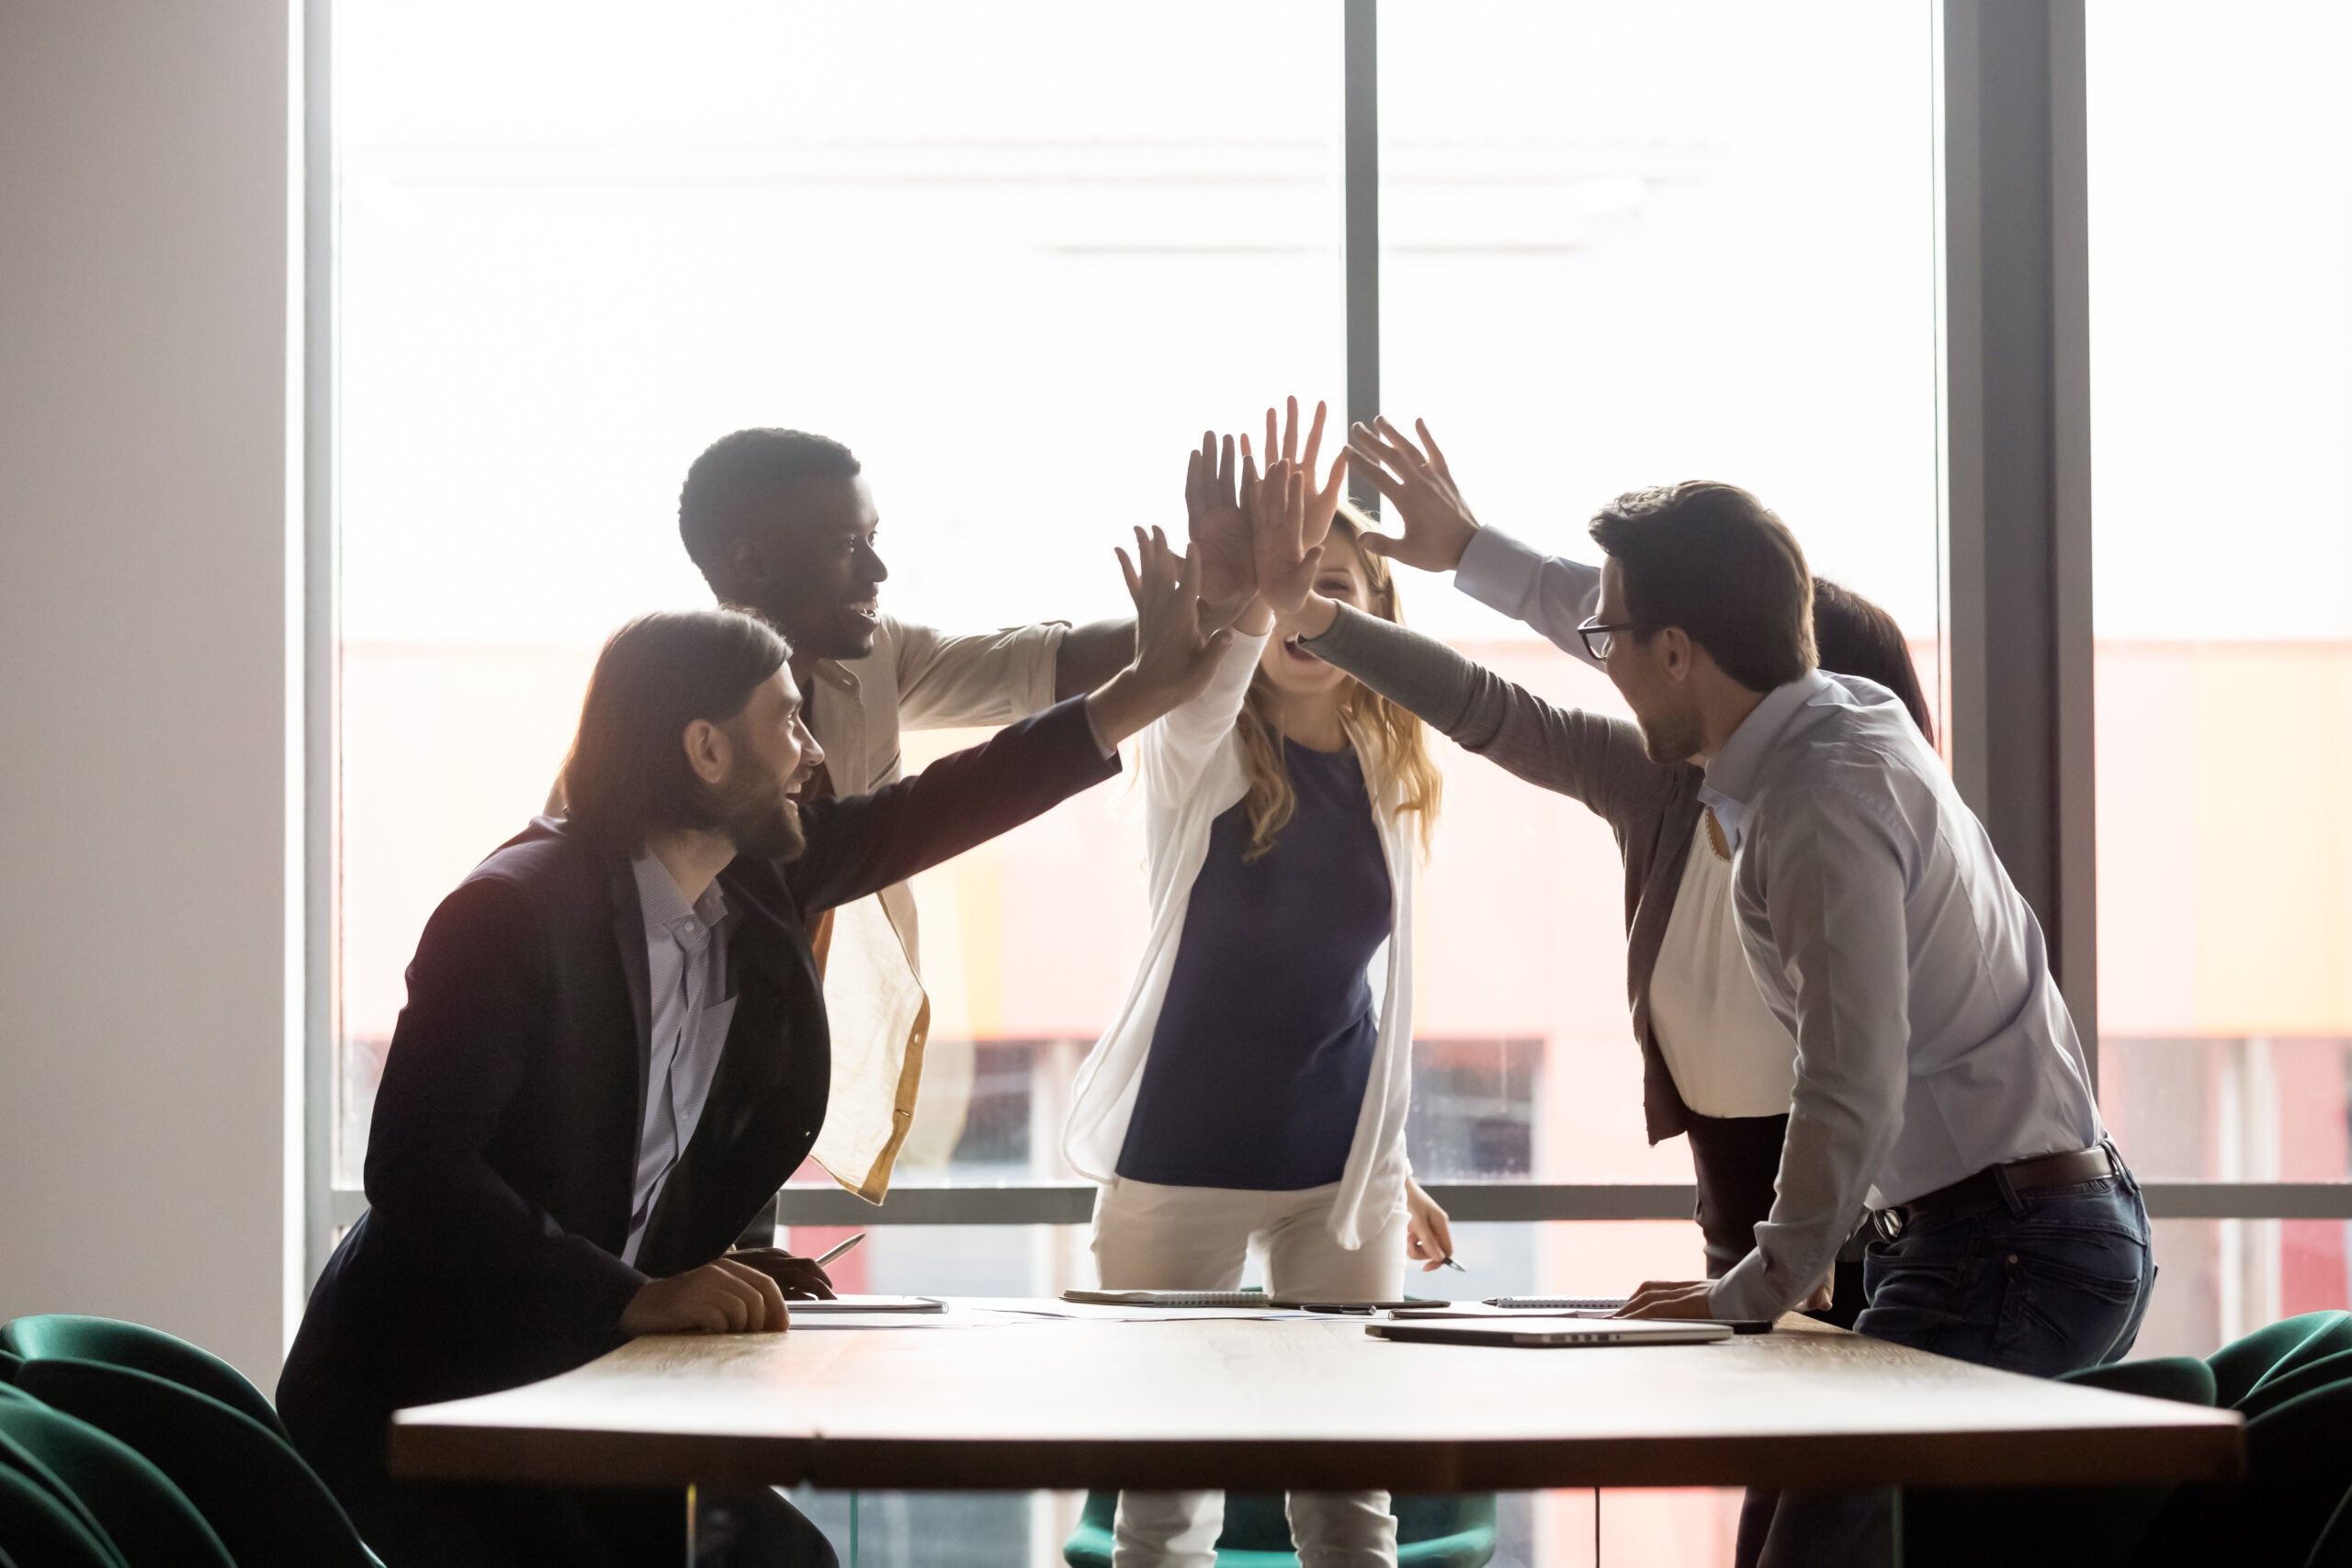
[1457, 1267]
[853, 1241]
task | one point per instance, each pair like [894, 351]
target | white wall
[144, 276]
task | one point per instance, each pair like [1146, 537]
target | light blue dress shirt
[1550, 593]
[1882, 930]
[686, 952]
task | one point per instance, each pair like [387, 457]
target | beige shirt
[916, 678]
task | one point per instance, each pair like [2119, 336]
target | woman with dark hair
[1853, 636]
[1719, 1067]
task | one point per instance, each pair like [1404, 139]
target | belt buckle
[1888, 1222]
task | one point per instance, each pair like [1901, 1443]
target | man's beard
[758, 816]
[1671, 737]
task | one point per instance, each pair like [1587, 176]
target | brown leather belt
[1999, 1183]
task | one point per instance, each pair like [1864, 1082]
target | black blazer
[501, 1156]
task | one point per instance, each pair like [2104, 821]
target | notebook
[1556, 1304]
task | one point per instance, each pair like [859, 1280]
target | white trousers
[1148, 1237]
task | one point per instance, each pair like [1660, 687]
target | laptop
[868, 1303]
[1549, 1332]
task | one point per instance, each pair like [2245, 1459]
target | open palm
[1218, 524]
[1286, 560]
[1322, 504]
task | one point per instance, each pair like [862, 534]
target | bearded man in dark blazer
[614, 1051]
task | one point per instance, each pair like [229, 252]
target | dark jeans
[1736, 1161]
[2055, 1283]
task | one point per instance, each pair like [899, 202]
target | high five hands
[1219, 497]
[1436, 521]
[1288, 551]
[1178, 640]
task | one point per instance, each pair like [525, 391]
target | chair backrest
[2185, 1380]
[1453, 1530]
[264, 1503]
[16, 1456]
[119, 1344]
[35, 1528]
[2293, 1382]
[2299, 1466]
[2240, 1367]
[2334, 1549]
[149, 1521]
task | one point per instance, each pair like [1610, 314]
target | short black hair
[627, 775]
[742, 469]
[1855, 636]
[1713, 559]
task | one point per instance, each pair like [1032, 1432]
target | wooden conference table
[986, 1398]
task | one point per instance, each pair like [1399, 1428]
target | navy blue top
[1258, 1062]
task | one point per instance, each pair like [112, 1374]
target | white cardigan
[1190, 767]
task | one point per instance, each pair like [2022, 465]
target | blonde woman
[1252, 1089]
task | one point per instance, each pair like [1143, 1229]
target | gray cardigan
[1652, 809]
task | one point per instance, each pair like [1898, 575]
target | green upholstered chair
[119, 1344]
[146, 1519]
[36, 1528]
[2243, 1365]
[264, 1503]
[2299, 1466]
[2335, 1548]
[1432, 1532]
[2293, 1382]
[2085, 1527]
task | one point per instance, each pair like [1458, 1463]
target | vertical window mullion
[1360, 246]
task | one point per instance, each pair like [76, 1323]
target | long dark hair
[1856, 637]
[627, 775]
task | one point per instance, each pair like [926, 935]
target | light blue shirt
[1884, 931]
[686, 952]
[1553, 594]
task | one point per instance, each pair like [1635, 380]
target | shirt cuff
[1744, 1292]
[1102, 748]
[1498, 571]
[1037, 652]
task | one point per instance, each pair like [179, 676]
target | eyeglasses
[1599, 638]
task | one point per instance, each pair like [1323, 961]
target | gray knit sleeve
[1599, 761]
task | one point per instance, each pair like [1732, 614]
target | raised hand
[1322, 504]
[1286, 558]
[1218, 523]
[1178, 641]
[1437, 523]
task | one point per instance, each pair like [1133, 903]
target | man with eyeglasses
[1939, 1082]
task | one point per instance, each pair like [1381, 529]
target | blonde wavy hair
[1391, 743]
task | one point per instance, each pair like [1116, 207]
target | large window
[2221, 247]
[1018, 256]
[576, 246]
